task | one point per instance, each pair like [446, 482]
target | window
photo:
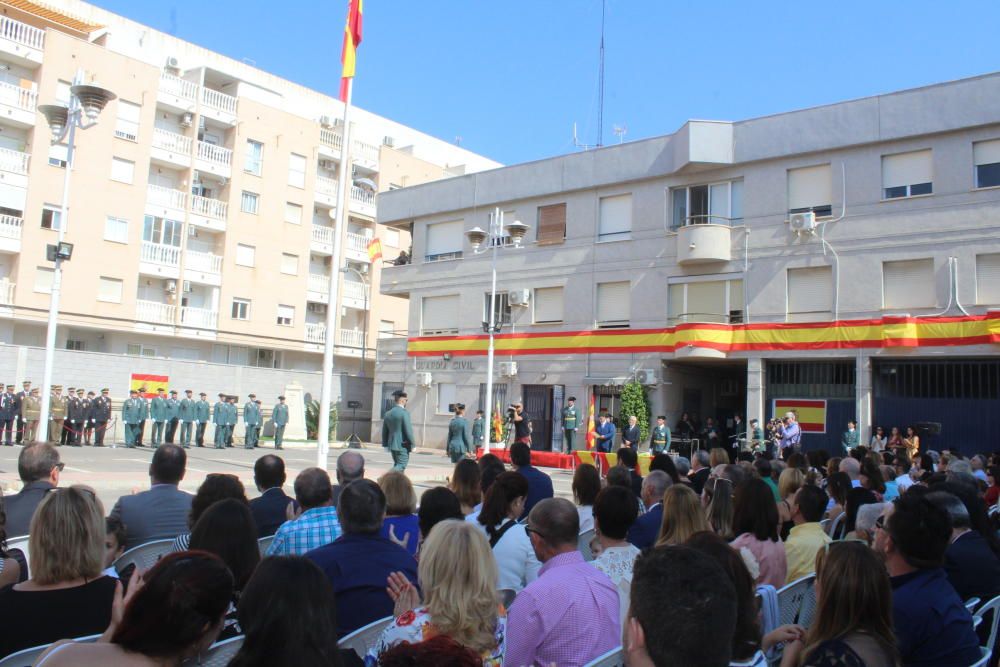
[548, 305]
[293, 213]
[716, 203]
[908, 284]
[245, 254]
[127, 124]
[230, 354]
[76, 344]
[116, 229]
[988, 279]
[122, 171]
[286, 315]
[907, 174]
[439, 315]
[615, 218]
[613, 305]
[264, 358]
[390, 237]
[43, 279]
[138, 350]
[289, 264]
[386, 328]
[253, 163]
[51, 216]
[62, 91]
[297, 170]
[551, 224]
[986, 155]
[249, 202]
[501, 308]
[705, 301]
[159, 230]
[109, 290]
[446, 397]
[444, 241]
[241, 309]
[810, 294]
[811, 189]
[58, 153]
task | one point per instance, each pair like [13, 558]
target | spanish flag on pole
[374, 250]
[352, 40]
[591, 426]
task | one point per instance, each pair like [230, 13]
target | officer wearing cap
[8, 413]
[31, 408]
[100, 415]
[173, 416]
[232, 419]
[659, 438]
[251, 422]
[67, 436]
[202, 411]
[459, 443]
[145, 415]
[397, 432]
[279, 415]
[21, 395]
[571, 422]
[87, 404]
[186, 413]
[158, 411]
[220, 417]
[478, 429]
[57, 414]
[133, 415]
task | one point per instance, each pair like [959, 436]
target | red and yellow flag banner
[352, 40]
[809, 413]
[151, 383]
[497, 426]
[374, 250]
[591, 426]
[884, 332]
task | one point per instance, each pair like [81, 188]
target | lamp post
[85, 104]
[495, 235]
[364, 322]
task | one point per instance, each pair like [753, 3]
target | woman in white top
[515, 557]
[615, 510]
[586, 486]
[879, 440]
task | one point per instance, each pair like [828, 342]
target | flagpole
[333, 311]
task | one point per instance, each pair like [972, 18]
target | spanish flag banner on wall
[809, 413]
[151, 382]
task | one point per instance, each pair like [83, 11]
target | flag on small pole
[497, 424]
[352, 40]
[591, 426]
[374, 250]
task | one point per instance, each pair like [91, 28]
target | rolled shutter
[444, 238]
[906, 169]
[809, 187]
[551, 223]
[986, 152]
[810, 293]
[439, 314]
[613, 303]
[908, 284]
[988, 279]
[548, 304]
[706, 301]
[615, 216]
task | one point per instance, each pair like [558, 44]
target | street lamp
[364, 322]
[496, 234]
[85, 104]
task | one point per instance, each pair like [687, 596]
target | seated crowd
[492, 569]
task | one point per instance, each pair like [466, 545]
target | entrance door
[538, 405]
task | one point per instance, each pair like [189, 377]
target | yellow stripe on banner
[806, 415]
[585, 457]
[350, 54]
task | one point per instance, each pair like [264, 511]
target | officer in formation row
[78, 418]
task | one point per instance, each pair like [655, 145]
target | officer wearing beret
[220, 417]
[158, 411]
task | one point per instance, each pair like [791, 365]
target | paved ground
[117, 471]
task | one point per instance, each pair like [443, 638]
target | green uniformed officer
[279, 415]
[659, 439]
[459, 443]
[133, 414]
[397, 432]
[220, 417]
[158, 411]
[232, 419]
[187, 414]
[173, 416]
[571, 422]
[202, 411]
[478, 429]
[251, 422]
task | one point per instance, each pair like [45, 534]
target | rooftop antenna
[620, 132]
[600, 82]
[458, 140]
[577, 143]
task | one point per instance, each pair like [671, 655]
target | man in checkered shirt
[315, 523]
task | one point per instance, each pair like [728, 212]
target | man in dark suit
[539, 484]
[646, 528]
[699, 470]
[628, 459]
[39, 468]
[270, 510]
[605, 430]
[359, 561]
[632, 433]
[972, 567]
[162, 512]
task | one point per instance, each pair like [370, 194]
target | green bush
[635, 401]
[312, 420]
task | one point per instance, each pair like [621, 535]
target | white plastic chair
[27, 657]
[583, 544]
[263, 543]
[21, 543]
[145, 555]
[971, 604]
[834, 525]
[758, 660]
[993, 607]
[362, 639]
[218, 654]
[793, 598]
[613, 658]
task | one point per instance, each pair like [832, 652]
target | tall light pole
[85, 104]
[498, 230]
[364, 322]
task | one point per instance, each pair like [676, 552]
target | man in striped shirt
[315, 523]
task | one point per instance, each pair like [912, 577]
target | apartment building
[202, 208]
[841, 260]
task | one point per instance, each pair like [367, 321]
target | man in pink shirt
[569, 615]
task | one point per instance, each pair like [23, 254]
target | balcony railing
[362, 150]
[318, 283]
[210, 208]
[154, 311]
[16, 96]
[22, 33]
[216, 100]
[204, 262]
[6, 292]
[350, 338]
[159, 253]
[174, 85]
[354, 290]
[315, 333]
[321, 234]
[15, 162]
[161, 196]
[362, 196]
[331, 138]
[214, 154]
[203, 318]
[10, 227]
[327, 186]
[358, 243]
[171, 141]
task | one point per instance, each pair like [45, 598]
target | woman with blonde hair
[683, 516]
[789, 482]
[718, 457]
[400, 524]
[458, 576]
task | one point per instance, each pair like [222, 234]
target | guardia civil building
[844, 260]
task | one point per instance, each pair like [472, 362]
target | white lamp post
[497, 231]
[85, 104]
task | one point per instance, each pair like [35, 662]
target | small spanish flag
[374, 250]
[352, 40]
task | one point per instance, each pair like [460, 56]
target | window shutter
[986, 152]
[548, 304]
[906, 169]
[444, 238]
[439, 314]
[613, 303]
[675, 303]
[809, 187]
[615, 216]
[129, 111]
[908, 284]
[446, 396]
[551, 223]
[988, 279]
[109, 289]
[706, 301]
[810, 294]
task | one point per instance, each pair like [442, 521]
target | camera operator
[789, 435]
[522, 424]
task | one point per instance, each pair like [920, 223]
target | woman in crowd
[872, 479]
[466, 481]
[401, 524]
[912, 441]
[490, 467]
[66, 595]
[217, 486]
[879, 440]
[856, 498]
[718, 493]
[614, 513]
[852, 625]
[174, 613]
[457, 576]
[436, 505]
[789, 483]
[439, 651]
[515, 557]
[683, 516]
[10, 569]
[992, 489]
[586, 486]
[718, 457]
[891, 487]
[665, 462]
[838, 485]
[895, 442]
[755, 524]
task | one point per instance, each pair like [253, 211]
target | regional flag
[374, 250]
[151, 382]
[810, 413]
[591, 425]
[352, 40]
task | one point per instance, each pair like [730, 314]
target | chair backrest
[994, 607]
[28, 656]
[583, 544]
[824, 524]
[834, 525]
[507, 596]
[145, 555]
[767, 598]
[793, 598]
[758, 660]
[263, 543]
[218, 654]
[971, 604]
[613, 658]
[364, 638]
[20, 543]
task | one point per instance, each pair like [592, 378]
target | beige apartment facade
[202, 207]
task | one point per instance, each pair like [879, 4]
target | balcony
[356, 247]
[23, 42]
[330, 141]
[318, 288]
[155, 312]
[325, 191]
[365, 155]
[6, 292]
[322, 240]
[200, 318]
[704, 244]
[315, 333]
[203, 267]
[209, 213]
[158, 259]
[352, 295]
[10, 233]
[350, 338]
[347, 338]
[218, 105]
[214, 159]
[17, 104]
[14, 167]
[362, 202]
[165, 202]
[177, 94]
[171, 149]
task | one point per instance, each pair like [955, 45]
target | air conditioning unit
[326, 121]
[318, 308]
[518, 297]
[173, 63]
[802, 222]
[647, 376]
[187, 119]
[508, 369]
[187, 287]
[171, 286]
[388, 141]
[424, 379]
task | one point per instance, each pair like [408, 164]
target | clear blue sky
[510, 77]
